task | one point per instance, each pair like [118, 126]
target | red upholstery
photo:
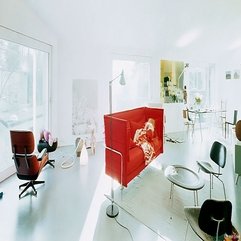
[28, 165]
[119, 131]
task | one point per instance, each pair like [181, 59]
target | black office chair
[211, 220]
[218, 155]
[233, 123]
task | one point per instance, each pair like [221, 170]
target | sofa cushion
[157, 144]
[136, 158]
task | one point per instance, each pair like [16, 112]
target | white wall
[89, 32]
[95, 31]
[229, 89]
[20, 17]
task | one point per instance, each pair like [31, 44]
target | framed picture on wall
[236, 74]
[84, 106]
[228, 74]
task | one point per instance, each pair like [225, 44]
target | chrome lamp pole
[112, 210]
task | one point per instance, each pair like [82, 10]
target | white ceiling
[213, 25]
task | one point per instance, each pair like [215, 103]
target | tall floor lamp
[112, 210]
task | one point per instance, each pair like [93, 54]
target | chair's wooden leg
[212, 181]
[171, 191]
[195, 197]
[237, 179]
[186, 231]
[210, 175]
[224, 191]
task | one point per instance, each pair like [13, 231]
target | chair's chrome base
[26, 185]
[112, 211]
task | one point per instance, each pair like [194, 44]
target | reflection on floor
[71, 205]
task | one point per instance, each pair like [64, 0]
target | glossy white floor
[71, 205]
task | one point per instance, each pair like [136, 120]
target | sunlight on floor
[92, 216]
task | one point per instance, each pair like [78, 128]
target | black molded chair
[212, 220]
[45, 145]
[28, 164]
[233, 123]
[218, 155]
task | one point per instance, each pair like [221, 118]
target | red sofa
[123, 159]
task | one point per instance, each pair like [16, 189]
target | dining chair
[218, 155]
[233, 123]
[211, 221]
[223, 114]
[187, 120]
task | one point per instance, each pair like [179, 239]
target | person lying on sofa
[143, 138]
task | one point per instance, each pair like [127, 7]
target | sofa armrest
[122, 163]
[117, 134]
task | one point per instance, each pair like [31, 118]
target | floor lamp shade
[122, 78]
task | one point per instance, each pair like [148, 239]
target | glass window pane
[23, 93]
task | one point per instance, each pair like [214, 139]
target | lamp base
[112, 211]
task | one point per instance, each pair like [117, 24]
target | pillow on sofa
[150, 135]
[134, 126]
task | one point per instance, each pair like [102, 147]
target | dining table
[199, 112]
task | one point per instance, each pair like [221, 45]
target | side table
[184, 178]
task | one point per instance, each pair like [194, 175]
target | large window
[198, 78]
[24, 74]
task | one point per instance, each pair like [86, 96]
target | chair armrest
[121, 156]
[41, 154]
